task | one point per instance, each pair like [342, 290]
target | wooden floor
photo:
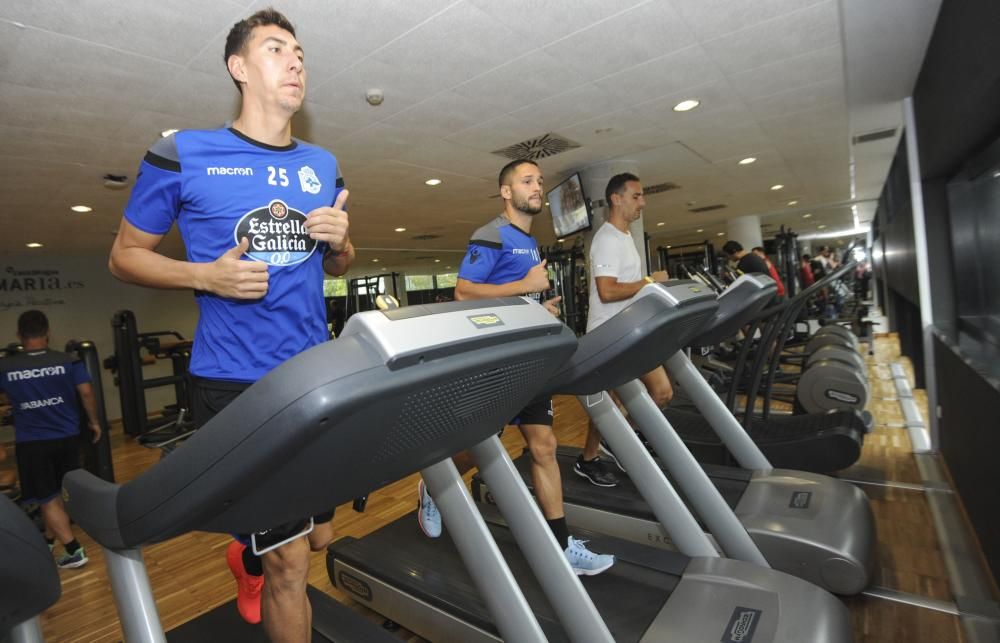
[189, 574]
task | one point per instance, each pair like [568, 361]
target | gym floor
[189, 574]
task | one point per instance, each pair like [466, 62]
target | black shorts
[210, 397]
[41, 465]
[538, 411]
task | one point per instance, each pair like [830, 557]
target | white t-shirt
[612, 254]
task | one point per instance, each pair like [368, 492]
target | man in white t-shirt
[616, 275]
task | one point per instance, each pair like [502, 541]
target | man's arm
[86, 392]
[537, 280]
[134, 260]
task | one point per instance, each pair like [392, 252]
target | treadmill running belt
[628, 596]
[332, 622]
[820, 443]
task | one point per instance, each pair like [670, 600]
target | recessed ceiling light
[433, 181]
[720, 234]
[167, 132]
[447, 266]
[400, 229]
[821, 226]
[559, 240]
[686, 105]
[669, 247]
[82, 208]
[777, 186]
[33, 245]
[807, 215]
[793, 202]
[996, 175]
[701, 229]
[437, 261]
[661, 223]
[374, 260]
[546, 203]
[748, 160]
[384, 268]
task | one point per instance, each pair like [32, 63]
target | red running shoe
[248, 587]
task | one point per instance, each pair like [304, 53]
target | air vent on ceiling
[708, 208]
[426, 237]
[659, 187]
[537, 148]
[875, 136]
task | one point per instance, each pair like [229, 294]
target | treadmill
[400, 391]
[649, 594]
[29, 581]
[820, 443]
[812, 526]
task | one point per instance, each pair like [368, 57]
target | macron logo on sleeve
[229, 171]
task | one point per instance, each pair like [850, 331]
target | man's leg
[545, 469]
[658, 385]
[285, 607]
[322, 534]
[57, 520]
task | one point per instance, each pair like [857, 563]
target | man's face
[273, 68]
[525, 189]
[631, 201]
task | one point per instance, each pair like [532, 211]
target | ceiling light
[433, 181]
[748, 160]
[437, 261]
[720, 234]
[167, 132]
[374, 260]
[384, 268]
[701, 229]
[821, 226]
[669, 247]
[400, 229]
[777, 186]
[546, 203]
[793, 203]
[33, 244]
[82, 208]
[447, 266]
[559, 240]
[996, 175]
[686, 105]
[807, 215]
[661, 223]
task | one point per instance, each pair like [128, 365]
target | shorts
[41, 465]
[208, 399]
[538, 411]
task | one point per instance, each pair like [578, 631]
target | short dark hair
[508, 169]
[806, 257]
[757, 249]
[32, 324]
[239, 35]
[731, 247]
[617, 185]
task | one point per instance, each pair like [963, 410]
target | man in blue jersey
[262, 217]
[42, 387]
[503, 261]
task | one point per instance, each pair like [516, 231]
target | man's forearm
[471, 290]
[149, 268]
[336, 264]
[89, 403]
[619, 291]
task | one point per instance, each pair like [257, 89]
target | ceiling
[86, 87]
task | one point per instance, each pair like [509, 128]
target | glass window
[419, 282]
[447, 280]
[335, 288]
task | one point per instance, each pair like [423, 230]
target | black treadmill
[649, 594]
[29, 581]
[399, 391]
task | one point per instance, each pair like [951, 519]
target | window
[419, 282]
[447, 280]
[335, 288]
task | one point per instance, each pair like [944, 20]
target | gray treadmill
[29, 581]
[806, 524]
[400, 391]
[649, 594]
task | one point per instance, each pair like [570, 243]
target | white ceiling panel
[544, 24]
[669, 74]
[789, 73]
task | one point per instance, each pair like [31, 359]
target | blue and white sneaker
[428, 515]
[585, 562]
[74, 560]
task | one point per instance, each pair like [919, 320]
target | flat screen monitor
[569, 206]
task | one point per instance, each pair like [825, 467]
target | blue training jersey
[41, 387]
[499, 253]
[220, 186]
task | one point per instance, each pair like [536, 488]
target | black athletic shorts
[41, 465]
[538, 411]
[210, 397]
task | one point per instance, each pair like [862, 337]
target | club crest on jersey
[308, 180]
[277, 234]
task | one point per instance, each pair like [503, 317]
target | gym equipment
[399, 391]
[818, 528]
[96, 457]
[29, 580]
[648, 595]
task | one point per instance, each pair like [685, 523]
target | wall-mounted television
[569, 207]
